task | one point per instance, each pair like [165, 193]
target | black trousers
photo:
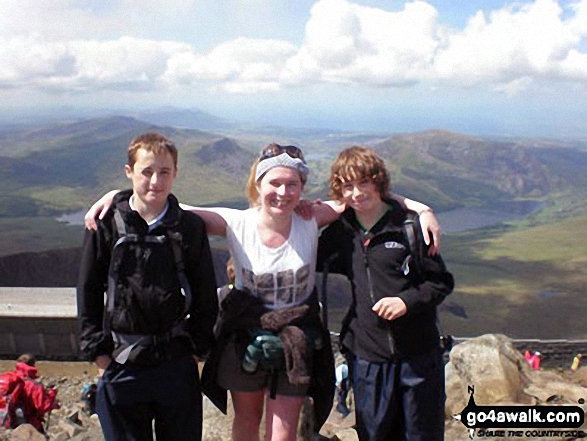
[400, 400]
[130, 398]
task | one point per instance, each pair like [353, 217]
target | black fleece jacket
[159, 273]
[375, 264]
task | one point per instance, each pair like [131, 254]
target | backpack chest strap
[175, 239]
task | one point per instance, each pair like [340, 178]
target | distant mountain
[226, 156]
[64, 166]
[459, 170]
[186, 118]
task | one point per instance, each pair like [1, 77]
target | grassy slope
[528, 282]
[526, 279]
[25, 234]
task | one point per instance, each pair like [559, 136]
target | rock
[500, 376]
[488, 362]
[60, 436]
[552, 388]
[72, 429]
[26, 432]
[74, 417]
[456, 393]
[491, 365]
[579, 376]
[346, 435]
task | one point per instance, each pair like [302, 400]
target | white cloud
[84, 65]
[346, 42]
[529, 40]
[25, 60]
[514, 87]
[242, 65]
[75, 46]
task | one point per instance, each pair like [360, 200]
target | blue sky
[475, 66]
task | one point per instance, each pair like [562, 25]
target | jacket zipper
[372, 293]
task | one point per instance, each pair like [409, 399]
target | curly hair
[356, 163]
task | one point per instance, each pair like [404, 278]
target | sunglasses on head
[273, 150]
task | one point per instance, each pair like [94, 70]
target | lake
[465, 219]
[453, 221]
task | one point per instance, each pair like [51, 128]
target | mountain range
[59, 167]
[517, 279]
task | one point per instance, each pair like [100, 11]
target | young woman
[274, 252]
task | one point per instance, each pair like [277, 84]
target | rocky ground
[72, 423]
[498, 371]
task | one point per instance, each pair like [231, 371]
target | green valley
[525, 278]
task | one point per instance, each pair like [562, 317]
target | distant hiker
[11, 400]
[576, 362]
[273, 349]
[28, 400]
[88, 397]
[528, 357]
[390, 329]
[154, 261]
[535, 361]
[342, 388]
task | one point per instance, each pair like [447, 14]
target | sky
[471, 66]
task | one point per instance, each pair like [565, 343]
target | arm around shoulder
[213, 217]
[428, 222]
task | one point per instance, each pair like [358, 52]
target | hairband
[283, 160]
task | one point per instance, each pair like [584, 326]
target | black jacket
[375, 264]
[158, 273]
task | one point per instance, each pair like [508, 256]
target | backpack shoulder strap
[412, 233]
[120, 228]
[119, 223]
[176, 240]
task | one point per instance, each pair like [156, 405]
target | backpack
[88, 397]
[129, 253]
[12, 396]
[413, 233]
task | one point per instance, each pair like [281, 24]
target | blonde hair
[252, 190]
[356, 163]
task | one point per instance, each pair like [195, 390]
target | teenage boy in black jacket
[154, 261]
[390, 328]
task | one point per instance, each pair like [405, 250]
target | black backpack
[413, 233]
[133, 330]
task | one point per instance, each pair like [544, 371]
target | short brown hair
[151, 142]
[355, 163]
